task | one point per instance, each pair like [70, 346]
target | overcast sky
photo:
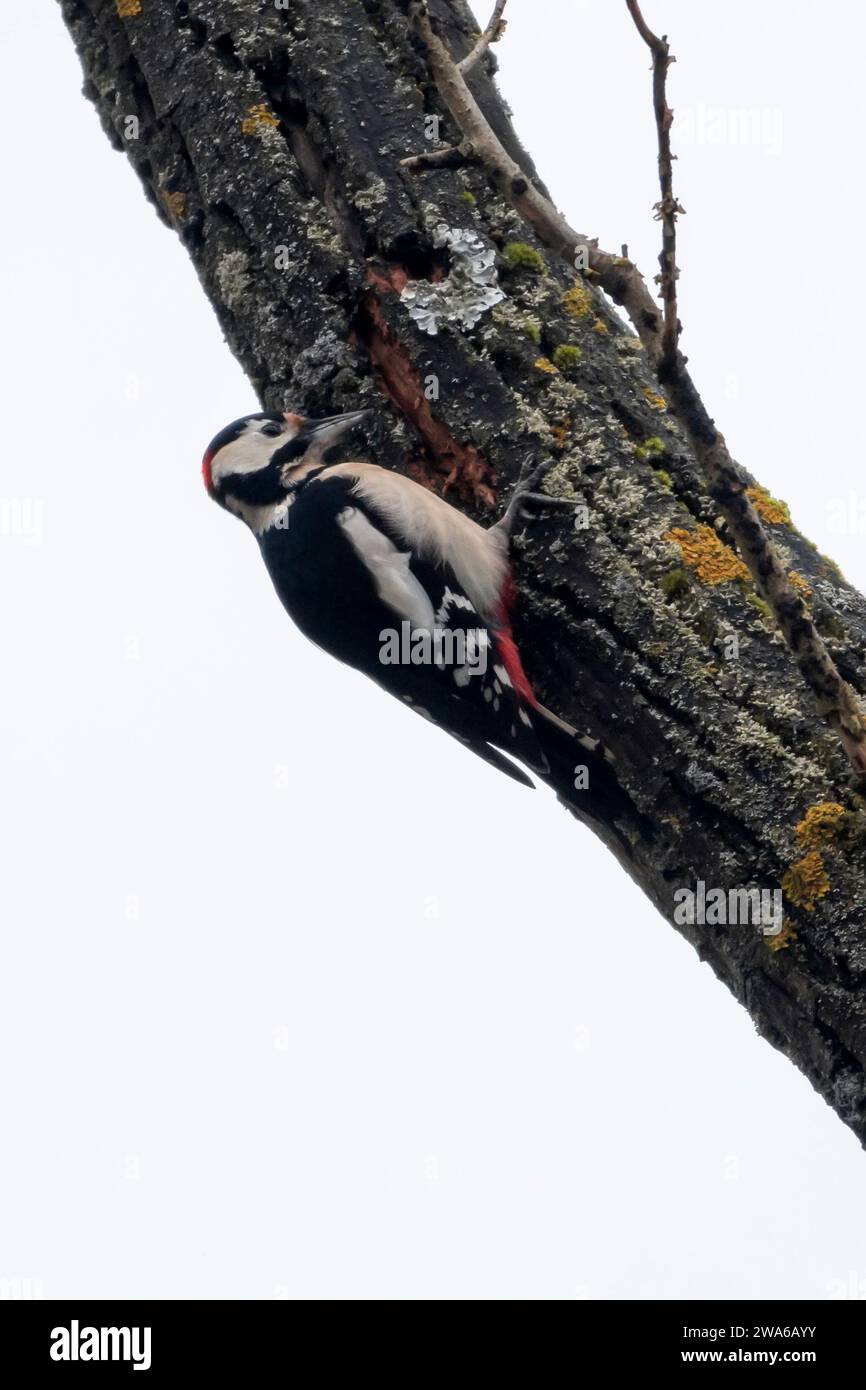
[298, 999]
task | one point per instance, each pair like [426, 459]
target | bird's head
[253, 465]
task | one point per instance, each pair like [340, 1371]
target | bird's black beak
[327, 431]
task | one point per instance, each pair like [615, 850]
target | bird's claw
[525, 491]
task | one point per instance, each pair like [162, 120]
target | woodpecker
[394, 581]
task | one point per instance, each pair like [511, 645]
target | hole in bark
[225, 50]
[418, 257]
[273, 73]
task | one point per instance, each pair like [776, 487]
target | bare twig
[669, 207]
[644, 30]
[492, 34]
[452, 157]
[622, 280]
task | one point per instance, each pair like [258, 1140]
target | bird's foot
[525, 491]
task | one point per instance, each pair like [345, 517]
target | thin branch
[669, 207]
[492, 34]
[644, 30]
[452, 157]
[621, 279]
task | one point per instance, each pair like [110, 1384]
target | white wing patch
[438, 531]
[395, 583]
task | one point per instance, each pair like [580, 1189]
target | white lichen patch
[503, 221]
[325, 237]
[533, 422]
[561, 396]
[755, 737]
[643, 542]
[372, 197]
[560, 479]
[595, 443]
[506, 315]
[619, 496]
[233, 280]
[787, 708]
[469, 290]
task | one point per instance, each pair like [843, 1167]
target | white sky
[297, 999]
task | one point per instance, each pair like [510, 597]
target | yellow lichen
[783, 939]
[127, 9]
[770, 508]
[821, 824]
[259, 120]
[601, 327]
[656, 401]
[560, 436]
[578, 301]
[544, 364]
[800, 583]
[806, 882]
[712, 561]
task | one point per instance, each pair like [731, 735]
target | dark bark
[263, 128]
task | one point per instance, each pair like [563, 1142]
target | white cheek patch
[249, 453]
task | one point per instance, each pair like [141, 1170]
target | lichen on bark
[270, 140]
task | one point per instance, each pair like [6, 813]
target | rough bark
[270, 140]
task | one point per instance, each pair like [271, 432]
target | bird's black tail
[584, 776]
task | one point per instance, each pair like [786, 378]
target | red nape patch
[206, 471]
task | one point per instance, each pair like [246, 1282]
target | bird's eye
[273, 429]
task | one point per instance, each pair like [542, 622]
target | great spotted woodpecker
[392, 580]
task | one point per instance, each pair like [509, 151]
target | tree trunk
[270, 139]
